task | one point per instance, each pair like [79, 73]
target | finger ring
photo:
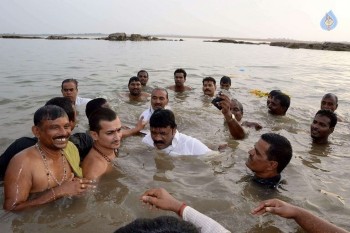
[81, 181]
[82, 186]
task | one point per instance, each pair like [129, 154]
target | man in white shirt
[165, 137]
[159, 100]
[69, 88]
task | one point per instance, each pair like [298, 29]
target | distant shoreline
[292, 44]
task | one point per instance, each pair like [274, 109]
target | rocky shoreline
[111, 37]
[331, 46]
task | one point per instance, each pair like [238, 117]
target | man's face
[70, 90]
[225, 86]
[329, 103]
[235, 110]
[162, 137]
[143, 78]
[320, 127]
[53, 134]
[209, 88]
[275, 107]
[258, 161]
[135, 88]
[110, 134]
[179, 79]
[159, 99]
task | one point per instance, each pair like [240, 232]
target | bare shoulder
[93, 166]
[27, 156]
[145, 94]
[171, 87]
[187, 88]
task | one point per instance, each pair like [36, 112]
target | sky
[279, 19]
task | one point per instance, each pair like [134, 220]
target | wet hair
[93, 105]
[161, 89]
[280, 149]
[209, 79]
[331, 95]
[66, 104]
[181, 71]
[162, 224]
[240, 106]
[162, 118]
[101, 114]
[274, 93]
[225, 79]
[331, 115]
[284, 100]
[133, 79]
[141, 72]
[48, 112]
[70, 80]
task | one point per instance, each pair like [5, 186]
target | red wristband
[182, 207]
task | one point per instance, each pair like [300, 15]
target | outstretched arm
[304, 218]
[140, 125]
[163, 200]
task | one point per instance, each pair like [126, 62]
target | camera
[216, 101]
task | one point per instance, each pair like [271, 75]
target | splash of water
[16, 199]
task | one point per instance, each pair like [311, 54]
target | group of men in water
[56, 163]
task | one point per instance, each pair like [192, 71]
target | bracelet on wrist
[182, 207]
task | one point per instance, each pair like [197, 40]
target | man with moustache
[180, 79]
[322, 126]
[159, 100]
[330, 102]
[279, 104]
[143, 76]
[43, 169]
[135, 90]
[165, 137]
[106, 130]
[209, 86]
[69, 88]
[270, 155]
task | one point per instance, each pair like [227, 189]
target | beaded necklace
[48, 171]
[106, 157]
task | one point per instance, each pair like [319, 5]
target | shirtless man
[330, 102]
[135, 90]
[322, 126]
[43, 169]
[143, 76]
[106, 130]
[209, 86]
[180, 79]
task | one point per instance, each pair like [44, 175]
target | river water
[317, 178]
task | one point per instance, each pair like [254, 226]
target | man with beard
[180, 79]
[209, 86]
[270, 155]
[43, 169]
[322, 126]
[165, 137]
[135, 90]
[106, 130]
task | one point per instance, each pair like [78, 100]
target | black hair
[133, 79]
[162, 224]
[101, 114]
[181, 71]
[225, 79]
[209, 79]
[284, 100]
[274, 93]
[66, 104]
[162, 118]
[93, 105]
[142, 71]
[331, 115]
[70, 80]
[240, 106]
[280, 149]
[48, 112]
